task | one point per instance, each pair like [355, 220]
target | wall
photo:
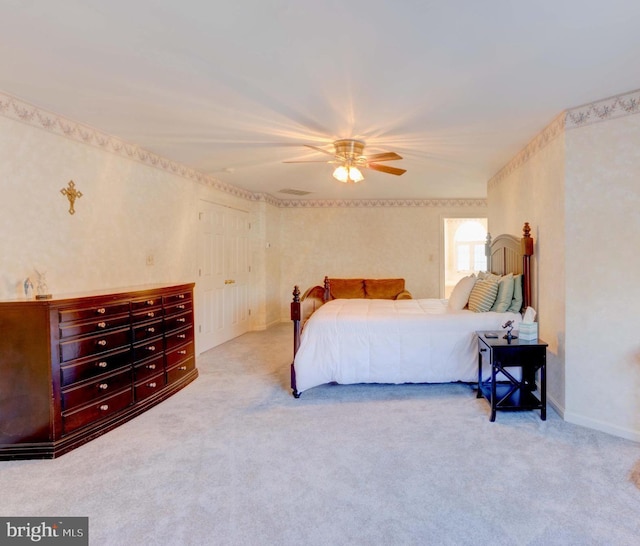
[366, 241]
[603, 230]
[577, 183]
[531, 189]
[134, 205]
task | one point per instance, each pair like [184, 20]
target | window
[464, 252]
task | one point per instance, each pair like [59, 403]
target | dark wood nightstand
[507, 392]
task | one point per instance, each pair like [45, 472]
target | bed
[349, 341]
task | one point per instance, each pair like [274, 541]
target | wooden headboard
[510, 254]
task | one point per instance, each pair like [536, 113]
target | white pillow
[460, 294]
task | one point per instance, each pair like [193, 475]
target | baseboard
[602, 426]
[557, 407]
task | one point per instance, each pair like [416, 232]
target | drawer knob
[182, 319]
[182, 352]
[104, 407]
[103, 386]
[102, 342]
[151, 366]
[183, 368]
[181, 296]
[483, 350]
[151, 314]
[149, 302]
[181, 306]
[102, 325]
[102, 364]
[101, 311]
[151, 348]
[151, 330]
[152, 384]
[182, 336]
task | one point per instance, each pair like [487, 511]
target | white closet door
[222, 302]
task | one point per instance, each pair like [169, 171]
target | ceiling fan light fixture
[346, 174]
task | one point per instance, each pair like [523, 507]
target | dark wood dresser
[74, 367]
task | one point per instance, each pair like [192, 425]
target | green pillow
[516, 302]
[505, 294]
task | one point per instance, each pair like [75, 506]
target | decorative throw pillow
[483, 295]
[505, 294]
[516, 302]
[383, 289]
[346, 288]
[460, 295]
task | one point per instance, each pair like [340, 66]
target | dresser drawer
[75, 419]
[178, 337]
[149, 386]
[147, 315]
[87, 346]
[178, 297]
[176, 322]
[85, 393]
[178, 354]
[79, 370]
[146, 303]
[94, 311]
[149, 348]
[147, 330]
[178, 372]
[149, 367]
[178, 308]
[70, 329]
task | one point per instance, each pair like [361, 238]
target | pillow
[505, 294]
[460, 294]
[383, 289]
[346, 288]
[516, 302]
[483, 295]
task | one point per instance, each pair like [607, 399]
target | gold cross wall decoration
[72, 194]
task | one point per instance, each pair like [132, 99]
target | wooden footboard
[301, 309]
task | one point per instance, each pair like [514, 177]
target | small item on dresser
[491, 335]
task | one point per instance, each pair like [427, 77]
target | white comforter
[387, 341]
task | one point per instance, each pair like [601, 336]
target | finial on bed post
[487, 251]
[327, 289]
[527, 252]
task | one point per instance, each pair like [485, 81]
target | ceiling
[234, 88]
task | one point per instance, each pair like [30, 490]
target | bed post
[487, 251]
[527, 252]
[296, 315]
[327, 289]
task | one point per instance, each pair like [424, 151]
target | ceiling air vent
[294, 192]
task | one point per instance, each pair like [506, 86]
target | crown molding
[537, 143]
[625, 104]
[19, 110]
[617, 106]
[377, 203]
[16, 109]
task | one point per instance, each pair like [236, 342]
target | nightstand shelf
[503, 389]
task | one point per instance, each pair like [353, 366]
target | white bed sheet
[385, 341]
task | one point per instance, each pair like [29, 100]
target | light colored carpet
[234, 459]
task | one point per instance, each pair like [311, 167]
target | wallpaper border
[624, 104]
[19, 110]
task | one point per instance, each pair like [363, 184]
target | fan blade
[386, 169]
[386, 156]
[332, 154]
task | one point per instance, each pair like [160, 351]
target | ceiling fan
[348, 155]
